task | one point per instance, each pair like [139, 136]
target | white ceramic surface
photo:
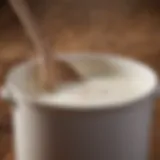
[115, 132]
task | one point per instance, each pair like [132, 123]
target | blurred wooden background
[127, 27]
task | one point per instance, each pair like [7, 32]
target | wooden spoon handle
[46, 67]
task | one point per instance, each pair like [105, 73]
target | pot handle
[12, 98]
[6, 95]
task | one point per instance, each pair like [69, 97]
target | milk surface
[95, 92]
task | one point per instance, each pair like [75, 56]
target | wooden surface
[70, 30]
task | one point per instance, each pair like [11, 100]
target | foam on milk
[109, 81]
[96, 91]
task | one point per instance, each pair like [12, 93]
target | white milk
[97, 91]
[110, 82]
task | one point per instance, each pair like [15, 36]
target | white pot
[116, 132]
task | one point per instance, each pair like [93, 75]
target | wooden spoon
[49, 72]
